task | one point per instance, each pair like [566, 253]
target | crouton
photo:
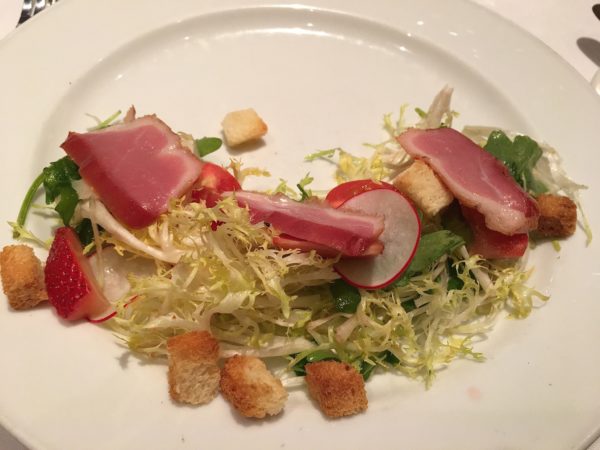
[243, 126]
[22, 277]
[337, 387]
[558, 216]
[424, 188]
[249, 386]
[193, 370]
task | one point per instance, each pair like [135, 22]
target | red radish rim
[113, 313]
[364, 185]
[102, 319]
[408, 261]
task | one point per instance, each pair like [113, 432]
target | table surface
[568, 27]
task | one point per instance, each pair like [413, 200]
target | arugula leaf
[346, 298]
[390, 358]
[432, 247]
[317, 355]
[207, 145]
[366, 369]
[85, 232]
[67, 203]
[56, 179]
[408, 305]
[519, 156]
[454, 283]
[58, 175]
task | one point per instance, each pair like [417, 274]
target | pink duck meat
[475, 177]
[134, 167]
[287, 242]
[349, 233]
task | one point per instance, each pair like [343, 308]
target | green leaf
[408, 305]
[432, 247]
[207, 145]
[56, 179]
[366, 369]
[346, 298]
[85, 232]
[390, 358]
[536, 187]
[519, 156]
[67, 203]
[57, 175]
[318, 355]
[454, 283]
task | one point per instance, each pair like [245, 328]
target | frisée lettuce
[268, 302]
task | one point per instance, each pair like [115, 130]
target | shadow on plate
[590, 48]
[245, 148]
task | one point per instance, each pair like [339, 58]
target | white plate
[322, 76]
[10, 10]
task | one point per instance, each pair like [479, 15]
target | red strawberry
[70, 282]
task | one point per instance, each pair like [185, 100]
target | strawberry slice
[70, 282]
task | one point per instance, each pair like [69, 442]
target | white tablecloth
[558, 23]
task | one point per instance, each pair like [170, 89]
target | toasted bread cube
[424, 188]
[193, 370]
[22, 277]
[243, 126]
[558, 216]
[337, 387]
[249, 386]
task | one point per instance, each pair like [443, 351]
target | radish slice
[400, 238]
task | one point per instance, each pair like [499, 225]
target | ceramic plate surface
[10, 10]
[322, 74]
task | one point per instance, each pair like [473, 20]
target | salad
[413, 255]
